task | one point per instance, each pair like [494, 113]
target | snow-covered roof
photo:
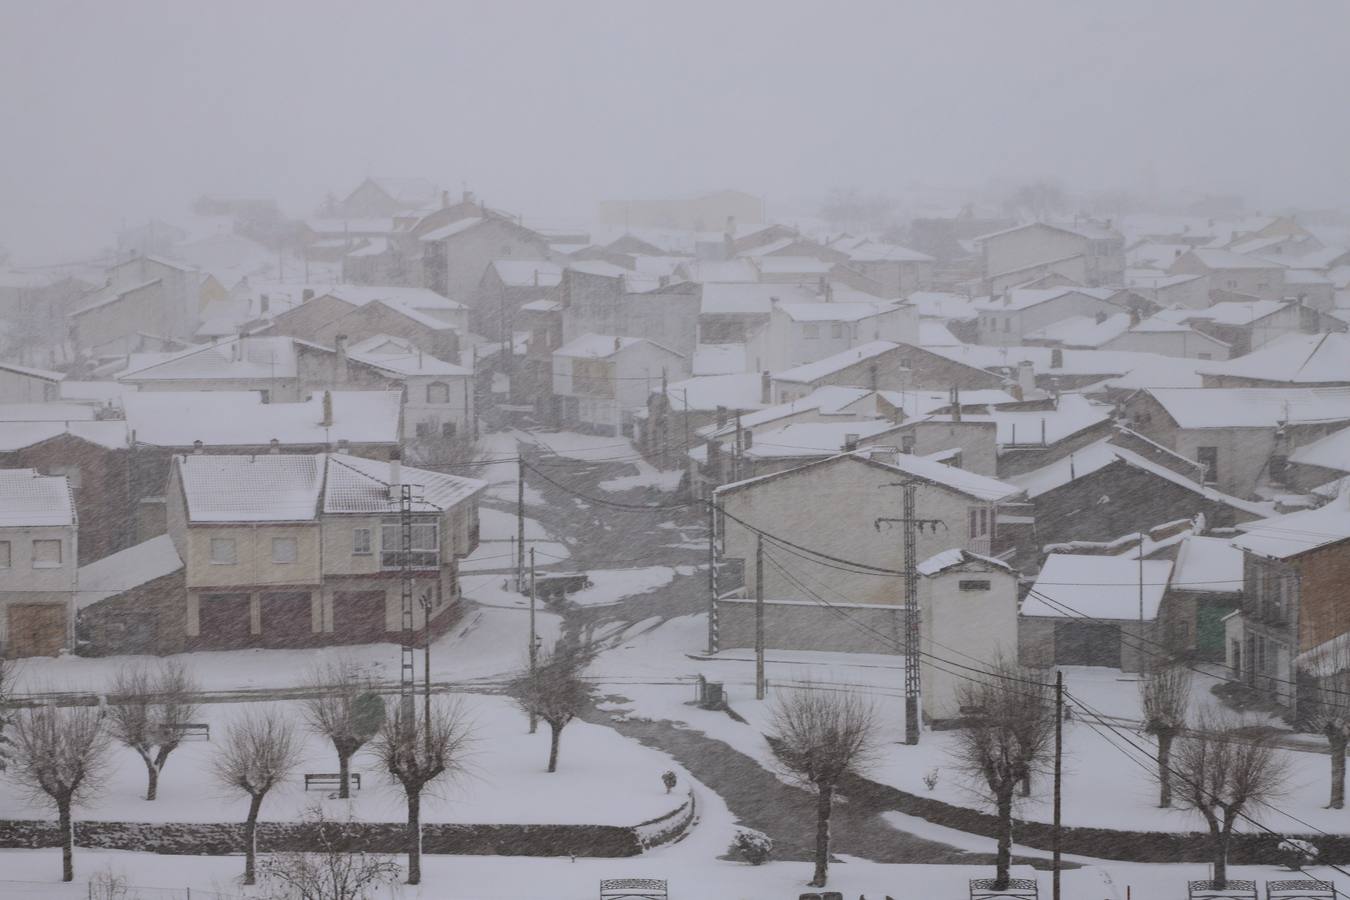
[1281, 537]
[940, 305]
[1214, 258]
[956, 556]
[822, 368]
[738, 298]
[111, 434]
[245, 358]
[31, 372]
[1207, 564]
[1080, 227]
[127, 569]
[1083, 331]
[1330, 452]
[1228, 312]
[792, 265]
[742, 390]
[241, 418]
[877, 251]
[453, 228]
[30, 499]
[1073, 413]
[811, 438]
[354, 484]
[45, 412]
[1024, 298]
[413, 192]
[719, 359]
[1071, 586]
[827, 400]
[1252, 407]
[545, 306]
[411, 297]
[400, 356]
[596, 346]
[528, 272]
[268, 487]
[710, 271]
[1293, 358]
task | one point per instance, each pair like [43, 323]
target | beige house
[38, 563]
[300, 550]
[1233, 273]
[1085, 252]
[1015, 315]
[25, 384]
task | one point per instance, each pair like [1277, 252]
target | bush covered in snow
[755, 847]
[1296, 853]
[668, 779]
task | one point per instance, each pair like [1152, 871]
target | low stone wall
[1103, 843]
[221, 839]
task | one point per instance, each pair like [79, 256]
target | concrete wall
[805, 625]
[253, 547]
[18, 388]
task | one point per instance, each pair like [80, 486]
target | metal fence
[104, 889]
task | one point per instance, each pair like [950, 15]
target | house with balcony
[298, 550]
[1293, 625]
[39, 537]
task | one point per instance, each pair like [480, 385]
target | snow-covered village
[789, 451]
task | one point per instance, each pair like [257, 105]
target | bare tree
[346, 710]
[6, 712]
[415, 754]
[1005, 742]
[1164, 695]
[1327, 710]
[337, 870]
[260, 749]
[822, 733]
[554, 692]
[147, 711]
[59, 754]
[1224, 773]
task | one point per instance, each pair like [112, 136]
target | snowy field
[603, 778]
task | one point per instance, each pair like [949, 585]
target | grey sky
[117, 110]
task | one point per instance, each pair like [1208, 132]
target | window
[46, 554]
[283, 550]
[361, 541]
[426, 429]
[1007, 324]
[1208, 457]
[811, 331]
[979, 522]
[426, 548]
[837, 330]
[973, 584]
[4, 555]
[223, 552]
[438, 392]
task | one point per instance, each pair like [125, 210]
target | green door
[1209, 628]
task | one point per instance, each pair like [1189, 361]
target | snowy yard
[602, 778]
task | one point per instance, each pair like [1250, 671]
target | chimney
[954, 399]
[306, 295]
[1134, 316]
[765, 388]
[340, 345]
[747, 439]
[196, 446]
[263, 304]
[618, 343]
[1101, 317]
[850, 443]
[237, 349]
[721, 416]
[274, 446]
[1026, 378]
[1056, 358]
[327, 420]
[395, 474]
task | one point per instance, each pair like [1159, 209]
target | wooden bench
[1233, 889]
[332, 780]
[1021, 888]
[633, 889]
[193, 731]
[1300, 889]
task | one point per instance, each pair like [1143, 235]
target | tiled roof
[358, 485]
[27, 498]
[272, 487]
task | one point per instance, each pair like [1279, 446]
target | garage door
[1083, 644]
[36, 629]
[224, 621]
[286, 619]
[358, 617]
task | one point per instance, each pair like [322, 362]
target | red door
[224, 621]
[358, 617]
[286, 619]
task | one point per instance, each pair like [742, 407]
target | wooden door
[37, 629]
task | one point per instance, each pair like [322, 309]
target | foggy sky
[114, 111]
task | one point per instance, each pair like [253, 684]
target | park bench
[193, 731]
[1234, 889]
[332, 780]
[1020, 888]
[1300, 889]
[633, 889]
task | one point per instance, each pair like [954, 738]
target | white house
[25, 384]
[38, 563]
[1085, 252]
[437, 395]
[602, 381]
[1015, 315]
[800, 333]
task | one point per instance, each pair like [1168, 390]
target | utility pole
[408, 668]
[684, 457]
[520, 522]
[712, 576]
[534, 644]
[736, 460]
[912, 525]
[426, 666]
[759, 617]
[1059, 767]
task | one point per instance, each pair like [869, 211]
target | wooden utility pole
[426, 666]
[759, 617]
[1059, 767]
[534, 643]
[520, 522]
[712, 577]
[684, 457]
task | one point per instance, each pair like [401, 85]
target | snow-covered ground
[603, 778]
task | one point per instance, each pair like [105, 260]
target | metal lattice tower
[911, 619]
[408, 670]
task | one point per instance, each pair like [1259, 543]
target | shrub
[755, 847]
[1295, 854]
[930, 779]
[668, 779]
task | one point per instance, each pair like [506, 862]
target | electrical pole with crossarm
[912, 525]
